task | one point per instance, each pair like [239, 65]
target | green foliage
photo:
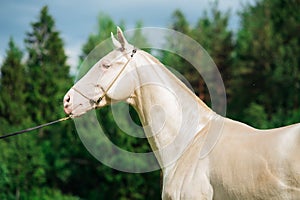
[138, 39]
[104, 28]
[213, 34]
[180, 24]
[22, 165]
[34, 94]
[255, 114]
[265, 62]
[47, 194]
[47, 69]
[12, 86]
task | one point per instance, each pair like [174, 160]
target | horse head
[107, 81]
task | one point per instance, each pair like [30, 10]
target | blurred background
[255, 45]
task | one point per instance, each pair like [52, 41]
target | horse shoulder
[188, 178]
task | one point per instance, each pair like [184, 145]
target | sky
[77, 19]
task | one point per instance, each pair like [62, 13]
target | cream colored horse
[244, 163]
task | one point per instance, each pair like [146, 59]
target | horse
[244, 163]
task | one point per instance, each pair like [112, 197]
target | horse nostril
[67, 101]
[67, 98]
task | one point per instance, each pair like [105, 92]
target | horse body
[246, 164]
[254, 164]
[239, 163]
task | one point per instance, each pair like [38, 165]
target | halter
[96, 103]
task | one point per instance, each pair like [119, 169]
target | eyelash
[106, 66]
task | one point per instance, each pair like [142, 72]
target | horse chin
[83, 108]
[76, 115]
[79, 112]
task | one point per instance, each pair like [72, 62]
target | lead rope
[66, 118]
[34, 128]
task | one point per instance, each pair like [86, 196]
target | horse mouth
[77, 115]
[67, 110]
[75, 112]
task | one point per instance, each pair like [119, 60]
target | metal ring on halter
[133, 52]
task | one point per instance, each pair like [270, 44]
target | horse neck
[171, 114]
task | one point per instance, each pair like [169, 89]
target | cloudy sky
[76, 19]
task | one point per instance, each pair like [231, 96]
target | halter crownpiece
[115, 79]
[95, 103]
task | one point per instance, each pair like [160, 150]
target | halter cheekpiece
[94, 103]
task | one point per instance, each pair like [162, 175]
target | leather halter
[96, 103]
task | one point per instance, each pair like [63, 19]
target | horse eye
[105, 66]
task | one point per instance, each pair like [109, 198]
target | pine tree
[49, 80]
[105, 26]
[266, 66]
[213, 34]
[21, 159]
[47, 68]
[138, 39]
[180, 24]
[12, 86]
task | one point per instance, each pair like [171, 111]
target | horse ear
[116, 43]
[121, 39]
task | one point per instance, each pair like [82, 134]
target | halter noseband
[96, 103]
